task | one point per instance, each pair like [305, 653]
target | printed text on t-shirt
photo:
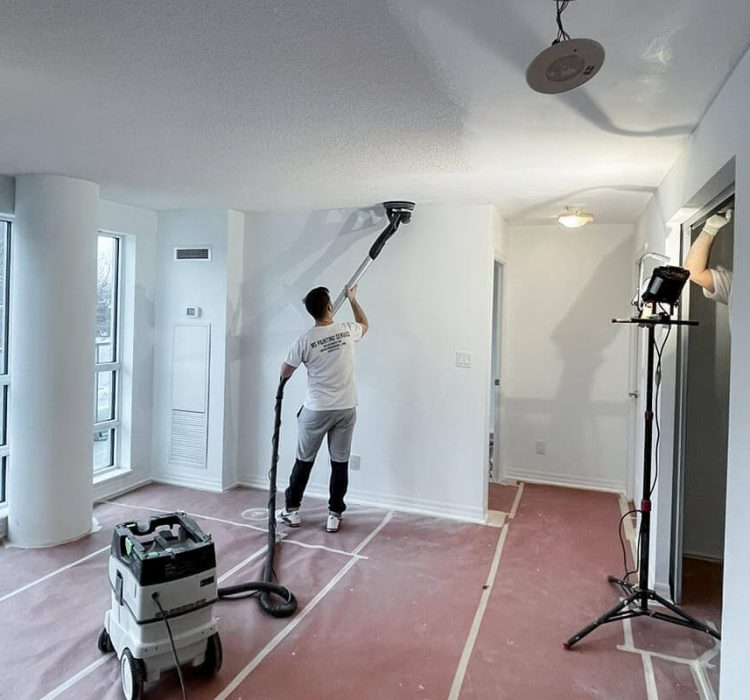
[330, 343]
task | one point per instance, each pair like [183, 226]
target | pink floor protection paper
[393, 606]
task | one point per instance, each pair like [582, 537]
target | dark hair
[316, 302]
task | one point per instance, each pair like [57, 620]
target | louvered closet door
[189, 421]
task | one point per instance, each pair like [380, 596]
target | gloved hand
[716, 222]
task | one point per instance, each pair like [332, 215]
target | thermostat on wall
[193, 312]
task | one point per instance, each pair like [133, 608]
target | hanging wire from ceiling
[562, 35]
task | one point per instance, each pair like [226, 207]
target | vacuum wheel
[212, 663]
[104, 642]
[132, 675]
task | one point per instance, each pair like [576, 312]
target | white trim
[107, 367]
[566, 481]
[101, 493]
[111, 473]
[106, 425]
[664, 590]
[437, 509]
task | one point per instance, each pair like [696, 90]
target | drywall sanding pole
[274, 598]
[398, 213]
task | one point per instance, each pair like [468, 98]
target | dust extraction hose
[268, 591]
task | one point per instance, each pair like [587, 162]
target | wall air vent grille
[201, 253]
[189, 440]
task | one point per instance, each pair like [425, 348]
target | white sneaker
[288, 517]
[333, 523]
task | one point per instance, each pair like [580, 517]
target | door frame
[496, 345]
[681, 388]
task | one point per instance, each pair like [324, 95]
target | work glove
[716, 222]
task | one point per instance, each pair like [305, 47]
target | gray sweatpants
[313, 426]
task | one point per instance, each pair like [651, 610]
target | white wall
[422, 427]
[702, 172]
[138, 230]
[212, 286]
[565, 365]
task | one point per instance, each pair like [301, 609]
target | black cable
[627, 573]
[659, 353]
[155, 596]
[562, 35]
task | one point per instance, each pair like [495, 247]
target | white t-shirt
[328, 354]
[722, 285]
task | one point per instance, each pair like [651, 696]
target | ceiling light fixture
[567, 64]
[575, 218]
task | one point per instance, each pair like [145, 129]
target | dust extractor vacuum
[162, 571]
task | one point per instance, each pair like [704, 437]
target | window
[107, 356]
[4, 378]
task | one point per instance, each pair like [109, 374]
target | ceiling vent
[200, 253]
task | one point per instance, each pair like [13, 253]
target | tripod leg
[701, 626]
[578, 636]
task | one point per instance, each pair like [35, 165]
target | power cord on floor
[155, 596]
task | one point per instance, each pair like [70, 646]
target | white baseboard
[716, 555]
[102, 493]
[566, 481]
[664, 590]
[389, 502]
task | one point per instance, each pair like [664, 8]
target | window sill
[111, 474]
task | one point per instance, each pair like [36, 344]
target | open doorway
[494, 472]
[703, 401]
[501, 494]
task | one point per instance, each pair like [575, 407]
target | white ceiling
[265, 104]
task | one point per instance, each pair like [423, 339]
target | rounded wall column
[53, 312]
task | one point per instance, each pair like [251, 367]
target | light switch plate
[463, 359]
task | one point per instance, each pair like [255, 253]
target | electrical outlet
[541, 447]
[463, 360]
[354, 462]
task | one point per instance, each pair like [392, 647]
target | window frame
[5, 367]
[112, 425]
